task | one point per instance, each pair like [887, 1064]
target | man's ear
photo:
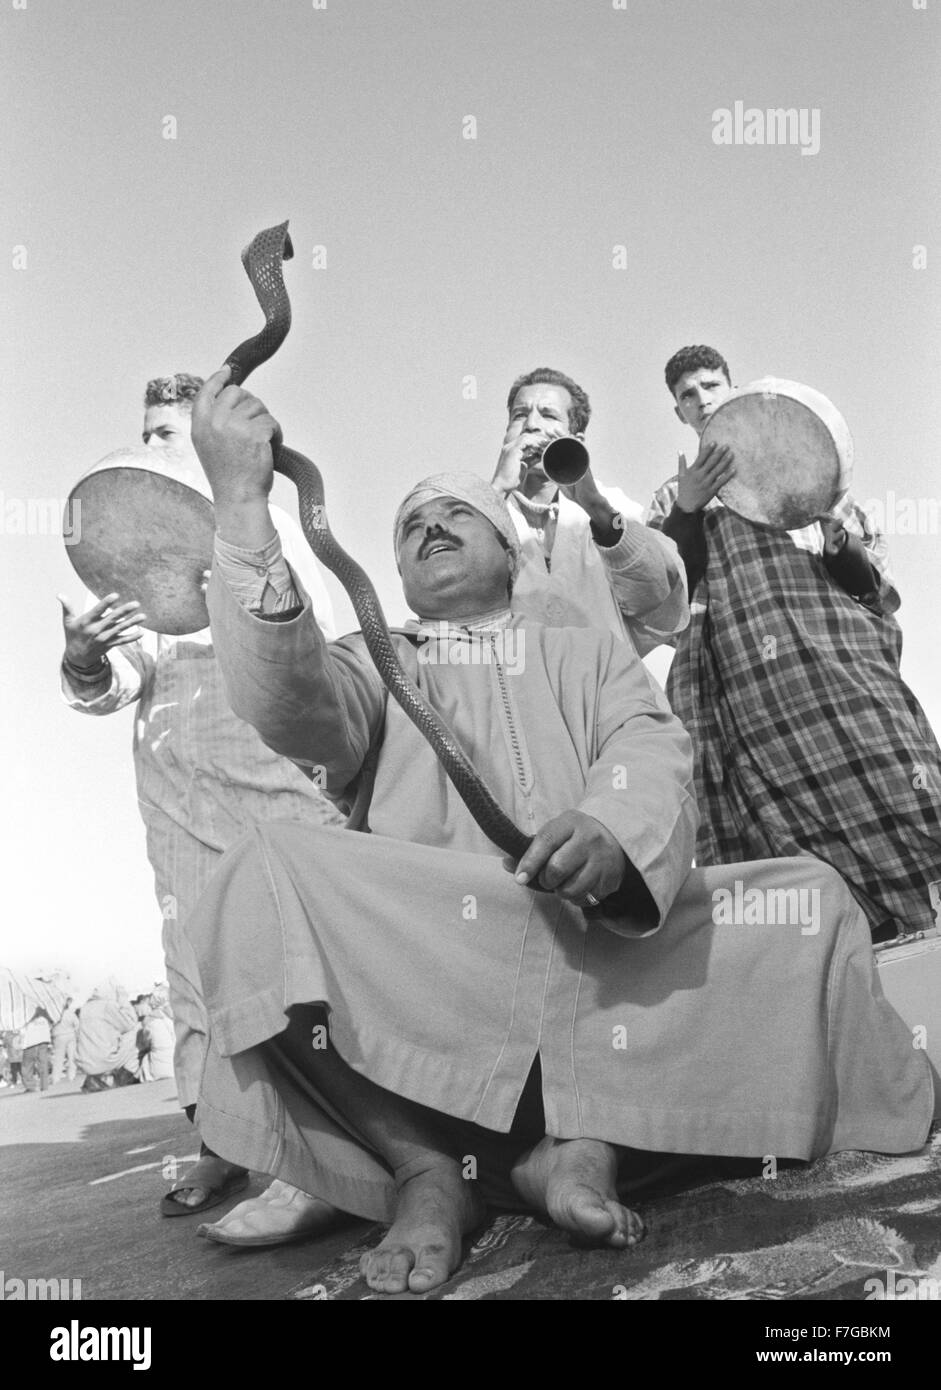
[676, 412]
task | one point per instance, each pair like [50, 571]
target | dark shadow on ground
[57, 1221]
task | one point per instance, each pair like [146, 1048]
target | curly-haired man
[587, 558]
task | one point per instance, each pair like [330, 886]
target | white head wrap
[469, 488]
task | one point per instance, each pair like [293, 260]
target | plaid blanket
[806, 738]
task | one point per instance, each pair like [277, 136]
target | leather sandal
[217, 1176]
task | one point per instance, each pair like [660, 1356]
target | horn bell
[565, 460]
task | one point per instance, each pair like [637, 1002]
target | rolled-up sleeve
[275, 577]
[256, 575]
[305, 568]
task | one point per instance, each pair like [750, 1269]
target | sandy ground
[81, 1177]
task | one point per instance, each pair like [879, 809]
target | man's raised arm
[316, 703]
[646, 575]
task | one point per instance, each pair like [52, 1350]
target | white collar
[485, 622]
[537, 508]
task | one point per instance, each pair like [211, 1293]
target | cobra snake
[262, 260]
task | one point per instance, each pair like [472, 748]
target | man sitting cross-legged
[403, 1029]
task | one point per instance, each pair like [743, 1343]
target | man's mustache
[436, 539]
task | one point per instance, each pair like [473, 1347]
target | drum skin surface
[793, 452]
[145, 535]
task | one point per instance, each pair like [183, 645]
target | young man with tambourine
[806, 738]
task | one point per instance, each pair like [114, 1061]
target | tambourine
[143, 533]
[793, 452]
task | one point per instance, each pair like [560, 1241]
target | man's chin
[535, 481]
[445, 585]
[448, 568]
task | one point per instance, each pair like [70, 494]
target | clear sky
[445, 258]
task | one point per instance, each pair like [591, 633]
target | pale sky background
[446, 257]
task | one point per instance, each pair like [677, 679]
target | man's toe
[627, 1228]
[387, 1271]
[431, 1269]
[636, 1230]
[400, 1267]
[374, 1268]
[188, 1196]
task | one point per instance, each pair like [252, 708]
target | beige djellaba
[710, 1031]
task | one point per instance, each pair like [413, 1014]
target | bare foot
[280, 1214]
[574, 1182]
[422, 1247]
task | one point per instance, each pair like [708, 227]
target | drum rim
[773, 527]
[97, 472]
[203, 510]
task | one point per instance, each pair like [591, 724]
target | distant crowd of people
[111, 1040]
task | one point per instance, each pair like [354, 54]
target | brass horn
[565, 460]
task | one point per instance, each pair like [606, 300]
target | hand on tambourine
[701, 480]
[574, 855]
[233, 434]
[835, 534]
[90, 636]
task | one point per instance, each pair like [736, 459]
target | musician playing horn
[587, 560]
[203, 776]
[806, 739]
[401, 1027]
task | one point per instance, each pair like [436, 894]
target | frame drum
[910, 974]
[145, 534]
[793, 452]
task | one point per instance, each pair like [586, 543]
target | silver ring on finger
[591, 900]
